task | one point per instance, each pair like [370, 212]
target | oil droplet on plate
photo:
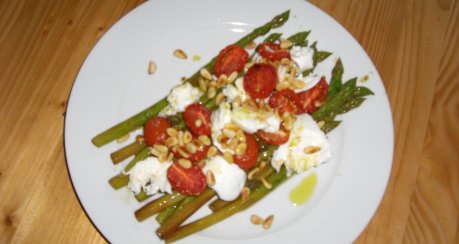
[303, 191]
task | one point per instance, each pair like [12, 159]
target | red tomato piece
[231, 58]
[195, 112]
[311, 99]
[284, 101]
[154, 131]
[273, 51]
[189, 181]
[260, 80]
[275, 138]
[249, 158]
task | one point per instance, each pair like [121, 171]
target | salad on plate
[254, 116]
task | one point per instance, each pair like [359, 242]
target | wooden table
[413, 43]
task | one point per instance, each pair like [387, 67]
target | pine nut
[201, 164]
[284, 43]
[222, 80]
[228, 157]
[211, 152]
[202, 84]
[154, 152]
[229, 133]
[171, 131]
[162, 158]
[180, 138]
[171, 141]
[250, 45]
[170, 157]
[191, 148]
[179, 53]
[321, 124]
[240, 136]
[253, 173]
[183, 153]
[232, 144]
[232, 77]
[139, 138]
[256, 220]
[187, 137]
[240, 148]
[151, 67]
[266, 183]
[210, 178]
[161, 148]
[185, 163]
[311, 149]
[268, 222]
[211, 92]
[245, 193]
[205, 73]
[219, 99]
[204, 140]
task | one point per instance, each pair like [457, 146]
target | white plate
[113, 84]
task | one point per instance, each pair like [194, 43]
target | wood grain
[413, 43]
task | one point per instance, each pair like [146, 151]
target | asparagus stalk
[237, 206]
[122, 179]
[126, 152]
[158, 205]
[168, 212]
[142, 117]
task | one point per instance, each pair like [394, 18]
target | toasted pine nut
[202, 84]
[253, 173]
[162, 158]
[187, 137]
[266, 183]
[237, 102]
[219, 99]
[311, 149]
[198, 123]
[204, 140]
[179, 53]
[318, 103]
[183, 153]
[191, 148]
[222, 80]
[240, 136]
[250, 45]
[268, 222]
[256, 220]
[248, 65]
[151, 67]
[284, 43]
[123, 138]
[228, 157]
[139, 138]
[205, 73]
[229, 133]
[232, 143]
[161, 148]
[171, 131]
[285, 61]
[185, 163]
[321, 124]
[171, 141]
[211, 92]
[232, 77]
[201, 163]
[240, 148]
[212, 84]
[170, 157]
[211, 152]
[245, 193]
[263, 164]
[154, 152]
[210, 178]
[180, 138]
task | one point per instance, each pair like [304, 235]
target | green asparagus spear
[127, 151]
[158, 205]
[122, 179]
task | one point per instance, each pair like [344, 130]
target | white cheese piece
[229, 178]
[219, 119]
[251, 121]
[305, 133]
[182, 96]
[236, 90]
[149, 175]
[303, 57]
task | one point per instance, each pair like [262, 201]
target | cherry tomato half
[231, 58]
[189, 181]
[272, 51]
[192, 114]
[284, 101]
[154, 131]
[249, 158]
[260, 80]
[275, 138]
[311, 99]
